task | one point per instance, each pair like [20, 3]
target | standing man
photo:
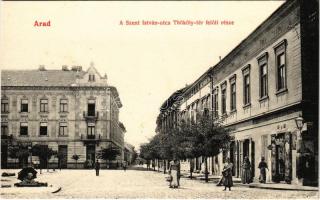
[124, 165]
[97, 167]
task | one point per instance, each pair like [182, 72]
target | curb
[281, 188]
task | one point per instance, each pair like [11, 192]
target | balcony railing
[91, 115]
[86, 137]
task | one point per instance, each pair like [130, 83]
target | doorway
[63, 151]
[91, 154]
[281, 158]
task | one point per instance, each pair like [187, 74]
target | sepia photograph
[159, 99]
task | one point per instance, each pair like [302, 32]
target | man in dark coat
[97, 167]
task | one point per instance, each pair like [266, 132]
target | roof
[39, 77]
[176, 96]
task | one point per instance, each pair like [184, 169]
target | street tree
[109, 154]
[44, 153]
[210, 138]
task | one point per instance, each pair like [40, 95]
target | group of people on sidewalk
[246, 176]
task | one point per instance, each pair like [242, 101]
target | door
[91, 153]
[252, 159]
[63, 160]
[280, 157]
[232, 156]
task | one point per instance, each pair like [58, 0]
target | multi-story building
[266, 92]
[129, 153]
[74, 112]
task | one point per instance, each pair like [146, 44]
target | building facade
[266, 92]
[73, 112]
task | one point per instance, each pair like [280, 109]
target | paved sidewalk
[237, 182]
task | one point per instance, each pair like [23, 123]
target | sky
[146, 63]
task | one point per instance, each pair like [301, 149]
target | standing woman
[246, 171]
[173, 171]
[227, 175]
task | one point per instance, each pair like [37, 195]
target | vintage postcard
[159, 99]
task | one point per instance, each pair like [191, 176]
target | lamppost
[300, 149]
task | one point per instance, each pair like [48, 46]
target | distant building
[74, 112]
[266, 92]
[129, 153]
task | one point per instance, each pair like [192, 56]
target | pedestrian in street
[246, 171]
[97, 167]
[227, 175]
[263, 166]
[124, 165]
[174, 172]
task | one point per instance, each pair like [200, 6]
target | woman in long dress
[227, 175]
[174, 172]
[246, 171]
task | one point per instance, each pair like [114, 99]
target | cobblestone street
[134, 184]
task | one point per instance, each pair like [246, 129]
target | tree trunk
[158, 166]
[76, 164]
[47, 165]
[164, 166]
[191, 168]
[206, 173]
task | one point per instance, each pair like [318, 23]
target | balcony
[90, 138]
[91, 116]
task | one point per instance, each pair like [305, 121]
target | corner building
[265, 91]
[74, 112]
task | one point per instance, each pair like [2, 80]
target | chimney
[42, 68]
[219, 58]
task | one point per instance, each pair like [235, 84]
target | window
[44, 105]
[281, 71]
[246, 89]
[63, 105]
[24, 105]
[233, 96]
[91, 108]
[63, 128]
[233, 92]
[23, 128]
[223, 101]
[280, 53]
[91, 131]
[216, 104]
[91, 77]
[4, 129]
[246, 85]
[4, 105]
[263, 81]
[43, 128]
